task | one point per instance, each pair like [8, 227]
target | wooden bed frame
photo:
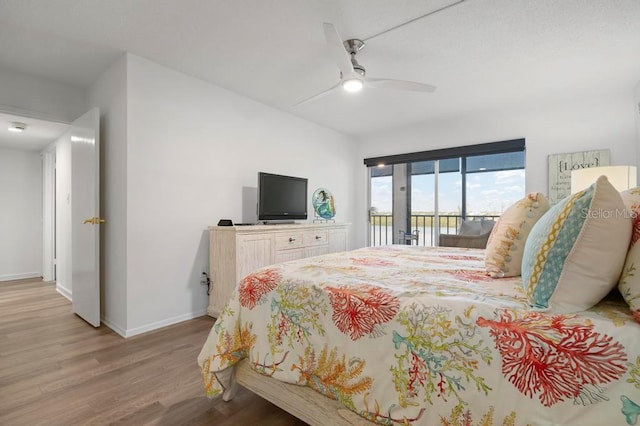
[300, 401]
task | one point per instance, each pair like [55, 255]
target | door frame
[49, 213]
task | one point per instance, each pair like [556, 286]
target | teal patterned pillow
[575, 252]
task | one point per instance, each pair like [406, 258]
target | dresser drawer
[315, 238]
[289, 254]
[289, 241]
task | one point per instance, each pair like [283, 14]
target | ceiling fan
[352, 74]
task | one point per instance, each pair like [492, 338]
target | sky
[487, 192]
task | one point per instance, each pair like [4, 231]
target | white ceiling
[38, 133]
[481, 54]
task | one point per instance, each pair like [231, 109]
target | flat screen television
[281, 198]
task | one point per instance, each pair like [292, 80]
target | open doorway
[55, 231]
[28, 194]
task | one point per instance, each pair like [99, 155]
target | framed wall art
[561, 165]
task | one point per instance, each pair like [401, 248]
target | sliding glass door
[436, 199]
[413, 202]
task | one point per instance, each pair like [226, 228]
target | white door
[85, 216]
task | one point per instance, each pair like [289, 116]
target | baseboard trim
[117, 329]
[64, 291]
[164, 323]
[25, 275]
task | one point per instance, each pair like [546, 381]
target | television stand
[279, 222]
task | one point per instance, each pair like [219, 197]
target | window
[431, 192]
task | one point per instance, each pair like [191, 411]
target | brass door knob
[93, 221]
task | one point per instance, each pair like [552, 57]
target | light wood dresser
[236, 251]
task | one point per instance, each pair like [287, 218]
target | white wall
[583, 124]
[109, 93]
[20, 214]
[37, 97]
[191, 150]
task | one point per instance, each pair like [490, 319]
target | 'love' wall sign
[561, 165]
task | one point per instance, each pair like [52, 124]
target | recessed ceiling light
[17, 126]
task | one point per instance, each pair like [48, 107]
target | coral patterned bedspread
[421, 336]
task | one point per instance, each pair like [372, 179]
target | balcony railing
[381, 227]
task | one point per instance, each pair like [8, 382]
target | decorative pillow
[629, 284]
[503, 257]
[575, 252]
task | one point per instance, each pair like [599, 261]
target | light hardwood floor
[55, 369]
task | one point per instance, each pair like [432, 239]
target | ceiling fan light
[352, 85]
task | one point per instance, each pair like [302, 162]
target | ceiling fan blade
[339, 53]
[318, 95]
[386, 83]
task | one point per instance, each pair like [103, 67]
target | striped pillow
[575, 252]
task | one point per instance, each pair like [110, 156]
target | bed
[421, 336]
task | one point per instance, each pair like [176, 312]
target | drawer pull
[291, 239]
[318, 237]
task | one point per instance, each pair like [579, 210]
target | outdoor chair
[472, 234]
